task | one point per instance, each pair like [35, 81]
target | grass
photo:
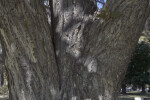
[131, 95]
[4, 89]
[128, 96]
[4, 97]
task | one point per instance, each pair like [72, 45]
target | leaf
[103, 15]
[115, 14]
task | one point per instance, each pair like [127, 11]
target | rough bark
[1, 79]
[123, 86]
[149, 89]
[2, 68]
[146, 31]
[143, 88]
[92, 54]
[28, 50]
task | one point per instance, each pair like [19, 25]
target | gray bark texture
[76, 56]
[28, 50]
[146, 31]
[2, 68]
[92, 55]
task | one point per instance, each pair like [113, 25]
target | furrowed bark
[28, 50]
[2, 68]
[93, 55]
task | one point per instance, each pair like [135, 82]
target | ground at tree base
[4, 97]
[4, 93]
[131, 95]
[128, 96]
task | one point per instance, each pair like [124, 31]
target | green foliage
[115, 14]
[137, 72]
[103, 14]
[26, 23]
[109, 15]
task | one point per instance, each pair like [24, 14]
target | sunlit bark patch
[13, 48]
[108, 95]
[88, 99]
[74, 98]
[28, 73]
[28, 1]
[53, 91]
[100, 97]
[91, 64]
[57, 52]
[22, 95]
[0, 49]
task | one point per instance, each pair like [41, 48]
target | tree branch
[101, 1]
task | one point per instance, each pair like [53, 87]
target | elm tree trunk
[28, 50]
[123, 86]
[92, 54]
[143, 88]
[77, 57]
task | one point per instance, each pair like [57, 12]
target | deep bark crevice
[53, 38]
[78, 57]
[102, 42]
[29, 53]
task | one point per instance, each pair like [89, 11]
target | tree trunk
[2, 68]
[143, 88]
[91, 54]
[149, 89]
[1, 79]
[28, 50]
[123, 86]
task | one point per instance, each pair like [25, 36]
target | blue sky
[100, 5]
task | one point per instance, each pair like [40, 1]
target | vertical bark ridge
[29, 54]
[117, 40]
[90, 52]
[69, 18]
